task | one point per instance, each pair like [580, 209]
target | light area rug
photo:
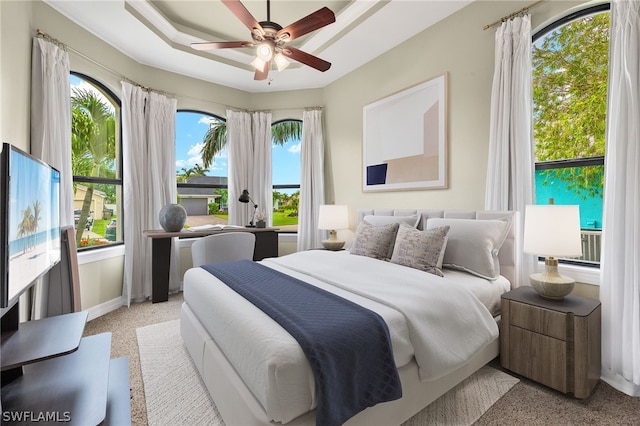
[175, 394]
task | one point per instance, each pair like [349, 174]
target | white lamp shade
[265, 51]
[281, 61]
[552, 231]
[258, 64]
[333, 216]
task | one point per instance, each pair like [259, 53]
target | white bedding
[412, 302]
[488, 292]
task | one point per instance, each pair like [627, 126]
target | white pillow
[386, 220]
[473, 245]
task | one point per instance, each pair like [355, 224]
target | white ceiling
[158, 33]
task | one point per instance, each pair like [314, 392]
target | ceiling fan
[271, 38]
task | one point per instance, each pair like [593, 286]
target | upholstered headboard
[509, 266]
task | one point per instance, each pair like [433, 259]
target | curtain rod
[42, 34]
[60, 44]
[511, 15]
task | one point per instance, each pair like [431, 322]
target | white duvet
[436, 320]
[447, 324]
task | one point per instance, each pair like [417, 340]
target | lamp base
[332, 243]
[549, 284]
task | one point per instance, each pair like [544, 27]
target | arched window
[96, 160]
[570, 66]
[201, 166]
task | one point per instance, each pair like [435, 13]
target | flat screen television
[29, 221]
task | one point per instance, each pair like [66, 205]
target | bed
[257, 373]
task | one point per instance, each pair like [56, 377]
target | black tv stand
[51, 373]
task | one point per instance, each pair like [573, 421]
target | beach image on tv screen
[34, 223]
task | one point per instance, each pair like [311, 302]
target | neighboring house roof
[202, 180]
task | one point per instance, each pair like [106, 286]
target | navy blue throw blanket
[348, 346]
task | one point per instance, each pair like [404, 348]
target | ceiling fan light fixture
[265, 51]
[259, 64]
[281, 61]
[269, 38]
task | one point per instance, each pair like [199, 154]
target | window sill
[100, 254]
[581, 274]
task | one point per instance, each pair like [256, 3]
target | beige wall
[457, 46]
[15, 75]
[100, 281]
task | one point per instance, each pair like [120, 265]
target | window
[96, 163]
[201, 167]
[286, 135]
[570, 72]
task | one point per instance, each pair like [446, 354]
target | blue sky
[190, 130]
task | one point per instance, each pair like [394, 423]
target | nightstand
[556, 344]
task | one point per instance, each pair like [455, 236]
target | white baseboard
[104, 308]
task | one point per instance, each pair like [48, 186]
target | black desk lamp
[244, 198]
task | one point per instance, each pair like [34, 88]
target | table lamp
[552, 231]
[333, 217]
[245, 198]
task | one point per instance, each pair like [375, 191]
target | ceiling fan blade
[317, 19]
[262, 75]
[242, 14]
[221, 45]
[307, 59]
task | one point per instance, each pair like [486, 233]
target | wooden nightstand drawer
[538, 320]
[554, 343]
[538, 357]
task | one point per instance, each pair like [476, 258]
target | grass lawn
[100, 226]
[281, 219]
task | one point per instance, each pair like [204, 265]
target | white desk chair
[223, 247]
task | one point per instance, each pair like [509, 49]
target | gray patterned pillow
[422, 250]
[374, 241]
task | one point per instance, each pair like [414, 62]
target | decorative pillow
[386, 220]
[422, 250]
[473, 245]
[374, 241]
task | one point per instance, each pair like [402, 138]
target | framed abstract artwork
[404, 143]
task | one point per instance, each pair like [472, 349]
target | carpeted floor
[527, 403]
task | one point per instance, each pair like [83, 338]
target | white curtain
[51, 117]
[509, 183]
[240, 157]
[262, 164]
[620, 269]
[312, 180]
[51, 133]
[148, 132]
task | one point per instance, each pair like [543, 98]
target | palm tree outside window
[201, 169]
[96, 163]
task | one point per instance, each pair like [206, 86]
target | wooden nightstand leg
[504, 334]
[587, 354]
[570, 384]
